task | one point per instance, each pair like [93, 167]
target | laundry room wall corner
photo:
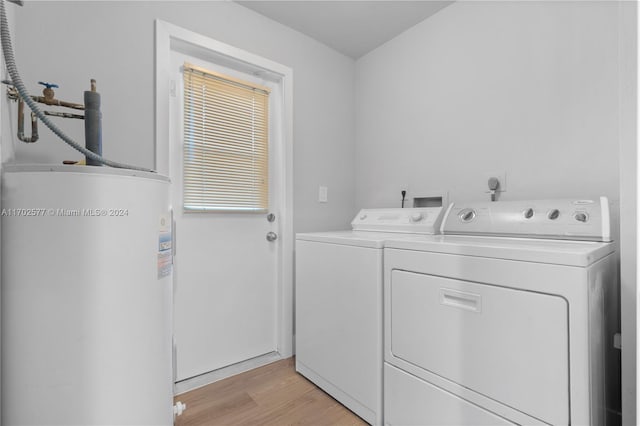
[628, 15]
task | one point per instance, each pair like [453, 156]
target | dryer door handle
[461, 299]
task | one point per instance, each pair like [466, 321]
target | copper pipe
[12, 93]
[34, 125]
[56, 102]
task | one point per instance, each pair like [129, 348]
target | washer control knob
[553, 214]
[363, 216]
[467, 215]
[581, 217]
[416, 217]
[528, 213]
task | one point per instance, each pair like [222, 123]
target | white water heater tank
[86, 297]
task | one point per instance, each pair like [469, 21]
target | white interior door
[226, 271]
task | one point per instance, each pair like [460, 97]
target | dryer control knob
[363, 216]
[467, 215]
[581, 216]
[553, 214]
[528, 213]
[416, 217]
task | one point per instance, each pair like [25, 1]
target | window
[225, 156]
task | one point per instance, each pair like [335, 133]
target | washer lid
[372, 227]
[351, 238]
[417, 220]
[557, 252]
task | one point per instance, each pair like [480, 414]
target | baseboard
[224, 372]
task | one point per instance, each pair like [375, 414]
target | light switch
[322, 194]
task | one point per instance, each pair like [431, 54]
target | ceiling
[353, 27]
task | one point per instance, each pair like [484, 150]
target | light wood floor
[270, 395]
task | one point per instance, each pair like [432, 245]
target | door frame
[165, 33]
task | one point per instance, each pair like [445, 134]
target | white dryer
[339, 304]
[504, 323]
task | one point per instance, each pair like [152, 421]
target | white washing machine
[505, 323]
[339, 304]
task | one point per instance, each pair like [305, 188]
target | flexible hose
[10, 63]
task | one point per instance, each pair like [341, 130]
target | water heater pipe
[10, 63]
[92, 123]
[34, 125]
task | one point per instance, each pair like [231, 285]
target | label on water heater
[165, 254]
[164, 264]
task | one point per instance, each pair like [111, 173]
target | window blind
[225, 154]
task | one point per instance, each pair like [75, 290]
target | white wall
[70, 42]
[526, 88]
[628, 205]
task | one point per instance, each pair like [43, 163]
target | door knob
[272, 236]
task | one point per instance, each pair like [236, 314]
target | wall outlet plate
[501, 176]
[323, 194]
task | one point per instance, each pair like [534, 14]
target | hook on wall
[494, 187]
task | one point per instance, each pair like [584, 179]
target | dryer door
[508, 345]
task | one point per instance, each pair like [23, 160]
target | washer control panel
[422, 220]
[561, 219]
